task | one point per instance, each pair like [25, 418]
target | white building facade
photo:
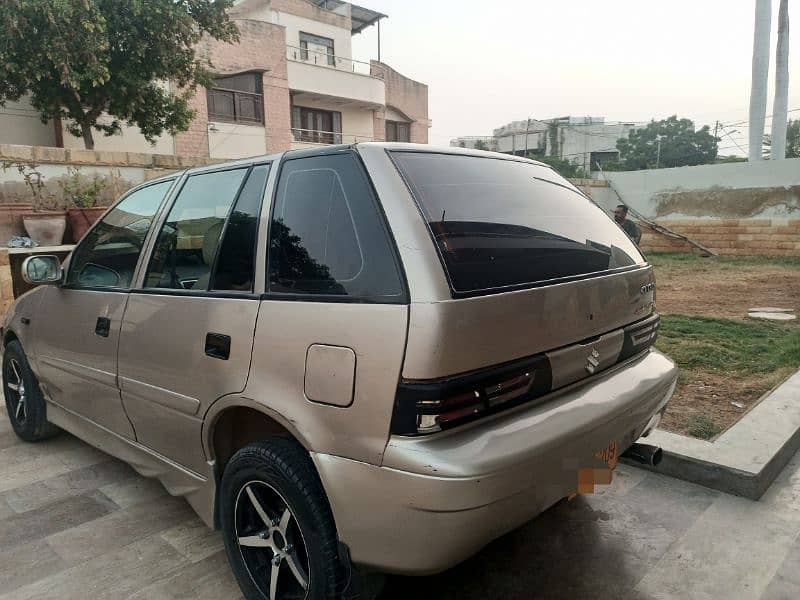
[584, 141]
[290, 82]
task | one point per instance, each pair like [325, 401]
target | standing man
[621, 217]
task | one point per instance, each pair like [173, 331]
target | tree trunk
[781, 105]
[758, 84]
[88, 139]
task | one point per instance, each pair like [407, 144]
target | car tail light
[423, 407]
[640, 336]
[430, 406]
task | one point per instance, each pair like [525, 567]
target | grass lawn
[727, 361]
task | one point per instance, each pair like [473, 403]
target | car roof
[338, 148]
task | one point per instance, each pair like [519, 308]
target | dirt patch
[725, 292]
[712, 394]
[710, 403]
[727, 202]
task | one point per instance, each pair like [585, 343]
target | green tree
[481, 145]
[561, 166]
[680, 145]
[79, 59]
[793, 139]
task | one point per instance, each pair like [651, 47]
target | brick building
[290, 82]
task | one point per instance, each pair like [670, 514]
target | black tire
[279, 474]
[27, 411]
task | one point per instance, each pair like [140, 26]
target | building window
[316, 125]
[600, 158]
[237, 99]
[321, 48]
[397, 131]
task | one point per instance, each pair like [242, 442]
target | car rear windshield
[502, 224]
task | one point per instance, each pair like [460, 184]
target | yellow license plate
[588, 478]
[609, 455]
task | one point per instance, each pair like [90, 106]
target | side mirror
[42, 270]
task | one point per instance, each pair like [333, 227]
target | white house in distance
[584, 141]
[290, 82]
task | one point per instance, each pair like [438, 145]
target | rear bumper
[437, 500]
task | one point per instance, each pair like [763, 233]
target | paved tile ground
[77, 524]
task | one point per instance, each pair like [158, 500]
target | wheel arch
[232, 423]
[220, 414]
[10, 336]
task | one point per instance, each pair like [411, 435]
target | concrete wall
[20, 124]
[356, 121]
[729, 237]
[130, 138]
[230, 140]
[725, 236]
[294, 24]
[577, 142]
[406, 96]
[759, 190]
[298, 8]
[515, 142]
[336, 83]
[131, 168]
[261, 47]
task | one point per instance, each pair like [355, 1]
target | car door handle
[103, 326]
[218, 345]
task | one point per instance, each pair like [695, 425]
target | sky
[489, 63]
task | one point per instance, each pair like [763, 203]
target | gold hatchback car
[382, 355]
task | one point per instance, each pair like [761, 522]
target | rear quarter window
[327, 236]
[504, 224]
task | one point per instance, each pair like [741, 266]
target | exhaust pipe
[644, 454]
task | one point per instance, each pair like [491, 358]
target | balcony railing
[317, 137]
[323, 59]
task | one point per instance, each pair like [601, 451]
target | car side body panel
[18, 322]
[168, 381]
[77, 367]
[376, 333]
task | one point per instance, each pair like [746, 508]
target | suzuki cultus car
[382, 355]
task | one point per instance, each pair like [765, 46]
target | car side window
[187, 243]
[107, 257]
[327, 235]
[236, 263]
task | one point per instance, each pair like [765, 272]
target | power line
[747, 121]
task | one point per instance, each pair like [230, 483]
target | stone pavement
[77, 524]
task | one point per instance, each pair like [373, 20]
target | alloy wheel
[271, 543]
[16, 390]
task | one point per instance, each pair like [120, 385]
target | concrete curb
[745, 459]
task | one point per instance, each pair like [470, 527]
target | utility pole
[781, 104]
[527, 129]
[760, 74]
[379, 40]
[658, 150]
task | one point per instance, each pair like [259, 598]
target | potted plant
[83, 196]
[47, 221]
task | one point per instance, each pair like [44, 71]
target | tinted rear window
[502, 224]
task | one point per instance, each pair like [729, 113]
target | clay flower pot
[46, 227]
[11, 220]
[81, 219]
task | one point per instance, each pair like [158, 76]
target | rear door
[188, 329]
[532, 266]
